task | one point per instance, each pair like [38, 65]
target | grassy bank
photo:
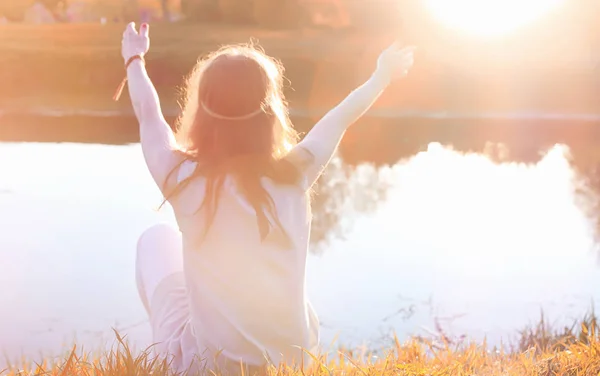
[76, 65]
[539, 351]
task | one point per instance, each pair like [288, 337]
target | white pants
[161, 284]
[159, 256]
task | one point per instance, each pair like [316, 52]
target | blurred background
[465, 202]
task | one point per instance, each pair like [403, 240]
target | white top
[247, 296]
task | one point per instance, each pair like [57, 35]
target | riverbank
[539, 351]
[79, 66]
[381, 137]
[518, 245]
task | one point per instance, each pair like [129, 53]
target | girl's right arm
[314, 152]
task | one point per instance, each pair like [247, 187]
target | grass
[79, 65]
[573, 350]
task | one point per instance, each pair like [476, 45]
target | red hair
[235, 122]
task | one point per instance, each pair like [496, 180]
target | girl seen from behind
[228, 286]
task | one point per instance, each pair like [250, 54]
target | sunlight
[489, 17]
[492, 237]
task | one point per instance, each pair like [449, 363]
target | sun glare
[489, 17]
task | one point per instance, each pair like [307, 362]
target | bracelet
[121, 86]
[132, 59]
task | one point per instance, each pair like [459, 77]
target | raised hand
[395, 61]
[135, 43]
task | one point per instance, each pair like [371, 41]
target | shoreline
[317, 113]
[321, 68]
[380, 137]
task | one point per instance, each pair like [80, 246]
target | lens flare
[489, 17]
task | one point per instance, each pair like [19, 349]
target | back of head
[235, 122]
[234, 107]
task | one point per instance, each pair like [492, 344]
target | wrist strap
[121, 86]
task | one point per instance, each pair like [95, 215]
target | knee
[156, 238]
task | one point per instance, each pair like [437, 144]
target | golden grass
[539, 352]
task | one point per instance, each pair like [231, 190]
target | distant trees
[265, 13]
[165, 9]
[292, 13]
[13, 9]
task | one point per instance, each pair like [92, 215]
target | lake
[477, 244]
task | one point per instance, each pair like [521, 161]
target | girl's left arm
[156, 137]
[159, 147]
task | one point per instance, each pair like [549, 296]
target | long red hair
[235, 122]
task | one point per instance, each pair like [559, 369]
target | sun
[489, 17]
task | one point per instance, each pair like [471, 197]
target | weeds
[573, 350]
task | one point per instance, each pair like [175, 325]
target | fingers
[406, 53]
[405, 60]
[397, 47]
[131, 28]
[144, 30]
[407, 50]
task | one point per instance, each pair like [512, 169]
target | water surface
[479, 246]
[438, 235]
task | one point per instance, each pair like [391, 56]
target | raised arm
[319, 145]
[156, 137]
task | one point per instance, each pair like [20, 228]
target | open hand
[395, 61]
[135, 43]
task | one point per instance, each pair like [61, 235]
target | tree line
[265, 13]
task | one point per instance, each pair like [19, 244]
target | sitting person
[228, 287]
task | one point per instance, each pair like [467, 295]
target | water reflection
[336, 203]
[332, 193]
[482, 247]
[520, 138]
[410, 231]
[585, 162]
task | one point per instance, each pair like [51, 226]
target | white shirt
[247, 296]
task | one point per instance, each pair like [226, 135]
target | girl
[228, 287]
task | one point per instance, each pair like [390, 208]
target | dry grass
[571, 351]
